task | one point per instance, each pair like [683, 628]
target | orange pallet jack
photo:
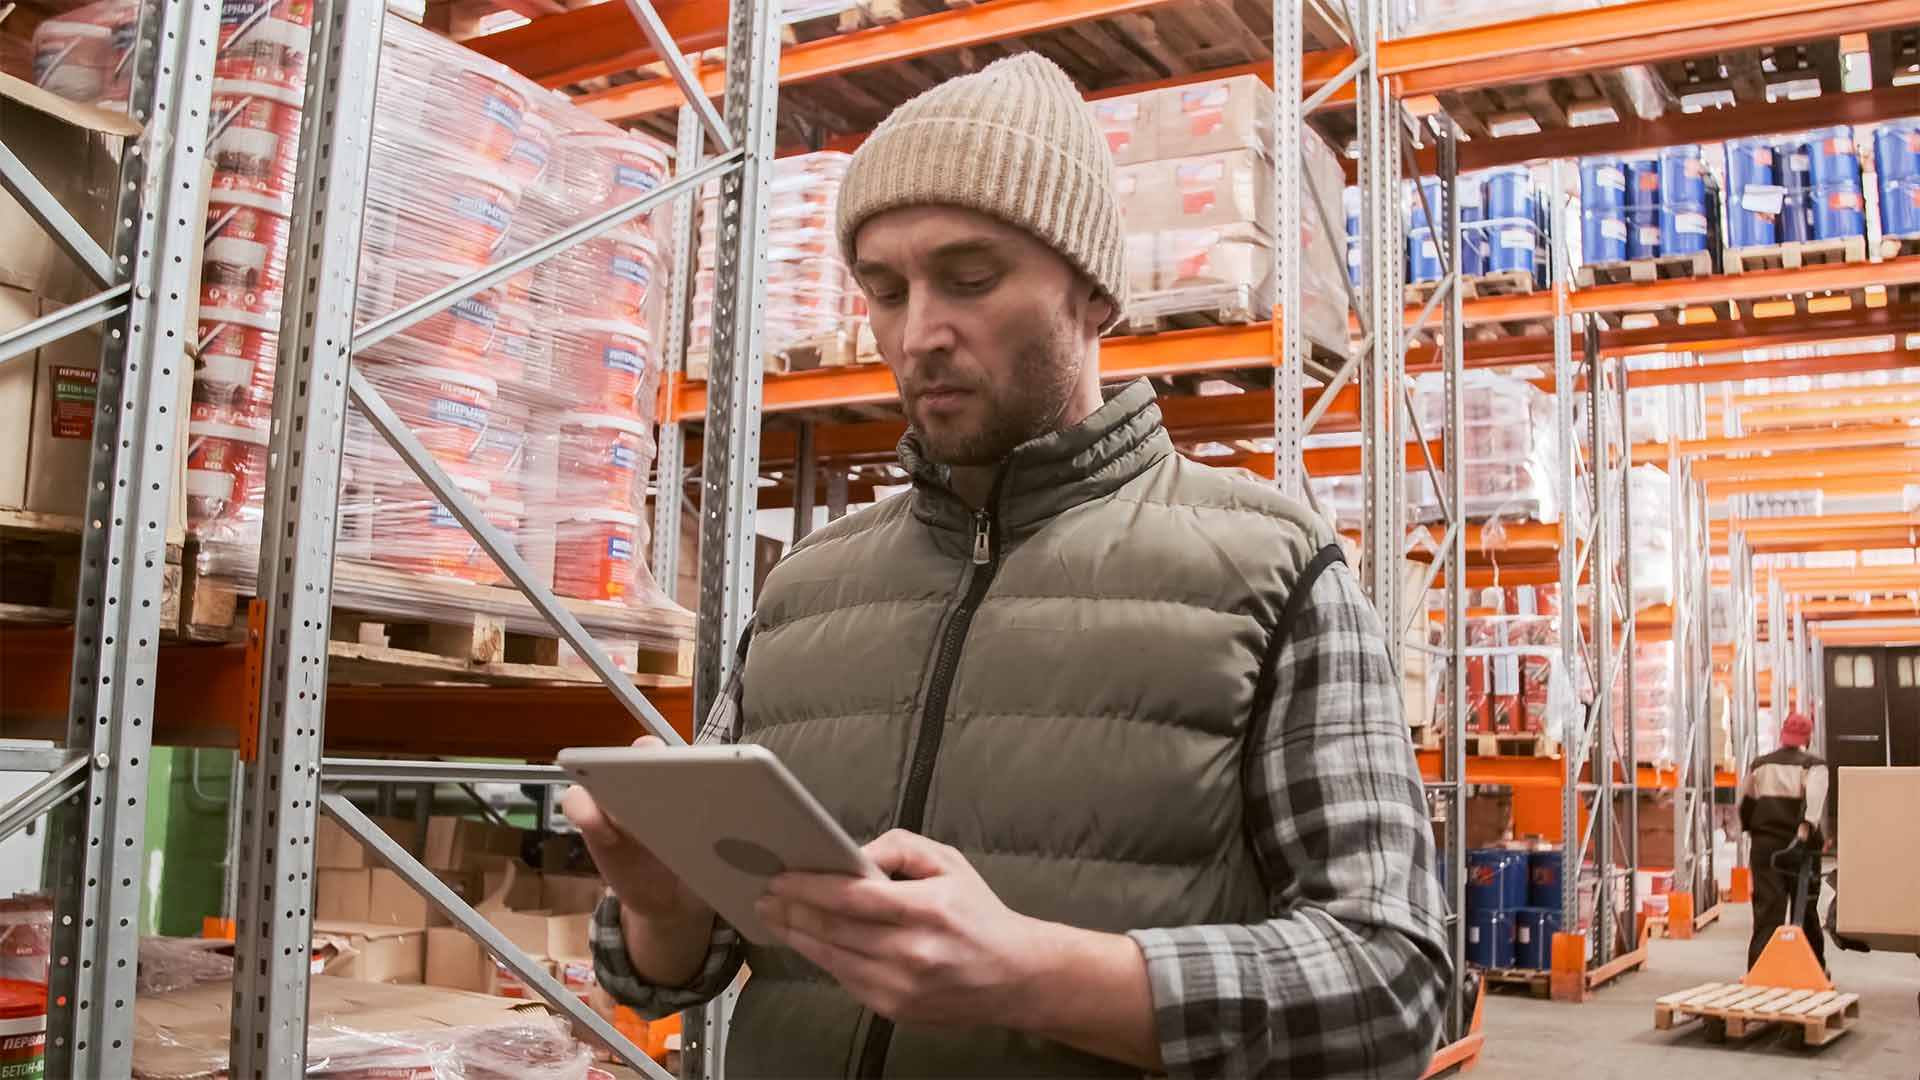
[1786, 986]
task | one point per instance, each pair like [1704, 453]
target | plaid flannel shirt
[1348, 976]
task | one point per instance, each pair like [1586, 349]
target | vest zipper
[933, 719]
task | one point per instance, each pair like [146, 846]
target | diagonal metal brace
[71, 319]
[683, 76]
[399, 321]
[38, 799]
[388, 423]
[428, 885]
[41, 205]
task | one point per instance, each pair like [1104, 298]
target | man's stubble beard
[1021, 412]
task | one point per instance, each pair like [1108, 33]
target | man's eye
[886, 298]
[974, 284]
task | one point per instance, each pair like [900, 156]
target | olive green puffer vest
[1058, 685]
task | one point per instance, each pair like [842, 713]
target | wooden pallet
[1501, 283]
[1735, 1011]
[1794, 255]
[1899, 247]
[1537, 983]
[1697, 264]
[40, 570]
[837, 349]
[1534, 744]
[1192, 307]
[485, 635]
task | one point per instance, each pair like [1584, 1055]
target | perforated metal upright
[147, 280]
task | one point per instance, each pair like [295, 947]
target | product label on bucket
[458, 413]
[532, 152]
[622, 457]
[482, 209]
[619, 549]
[502, 112]
[73, 401]
[639, 180]
[23, 1048]
[1613, 229]
[617, 358]
[631, 270]
[477, 312]
[1521, 239]
[1690, 223]
[1610, 177]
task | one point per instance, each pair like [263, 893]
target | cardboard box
[570, 894]
[393, 902]
[1135, 186]
[1223, 114]
[1130, 123]
[1232, 187]
[511, 887]
[1879, 854]
[455, 960]
[342, 895]
[463, 843]
[74, 150]
[370, 952]
[17, 308]
[1489, 819]
[1141, 263]
[1218, 256]
[184, 1034]
[336, 849]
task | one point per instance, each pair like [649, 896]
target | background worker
[1781, 802]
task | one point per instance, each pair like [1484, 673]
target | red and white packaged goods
[810, 295]
[537, 396]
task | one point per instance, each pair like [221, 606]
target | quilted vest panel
[1089, 765]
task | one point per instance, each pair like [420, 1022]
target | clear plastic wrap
[1655, 709]
[173, 963]
[83, 55]
[1650, 501]
[809, 290]
[530, 1051]
[1511, 446]
[537, 395]
[26, 936]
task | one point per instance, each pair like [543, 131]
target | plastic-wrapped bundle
[1649, 494]
[84, 54]
[1509, 441]
[809, 292]
[26, 936]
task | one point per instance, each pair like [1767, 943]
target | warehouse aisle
[1612, 1034]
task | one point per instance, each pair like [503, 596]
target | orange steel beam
[1790, 417]
[598, 40]
[1843, 581]
[1832, 395]
[1726, 335]
[1323, 461]
[1677, 292]
[1829, 438]
[1830, 634]
[1810, 463]
[1545, 46]
[943, 31]
[1879, 607]
[1888, 483]
[1632, 133]
[1544, 772]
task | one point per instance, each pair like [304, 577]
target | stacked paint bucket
[1896, 155]
[1500, 226]
[1513, 907]
[1643, 207]
[1792, 188]
[1423, 248]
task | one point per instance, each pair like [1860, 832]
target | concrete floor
[1612, 1035]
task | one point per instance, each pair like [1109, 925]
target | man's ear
[1099, 309]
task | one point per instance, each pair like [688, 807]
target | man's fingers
[900, 853]
[821, 924]
[867, 899]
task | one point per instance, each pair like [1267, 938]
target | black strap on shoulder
[1277, 641]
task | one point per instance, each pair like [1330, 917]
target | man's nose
[928, 327]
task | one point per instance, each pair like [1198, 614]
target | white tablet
[726, 819]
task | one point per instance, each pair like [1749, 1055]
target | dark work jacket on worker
[1780, 791]
[1083, 752]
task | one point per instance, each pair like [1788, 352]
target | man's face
[987, 329]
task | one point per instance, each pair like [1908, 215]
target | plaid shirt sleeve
[1348, 975]
[611, 965]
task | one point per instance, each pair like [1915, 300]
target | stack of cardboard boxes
[1197, 197]
[369, 924]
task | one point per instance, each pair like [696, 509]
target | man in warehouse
[1782, 799]
[1120, 728]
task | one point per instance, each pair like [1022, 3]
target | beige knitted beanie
[1013, 140]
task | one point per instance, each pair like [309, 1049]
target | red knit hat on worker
[1796, 729]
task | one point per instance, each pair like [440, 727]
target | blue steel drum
[1603, 236]
[1755, 198]
[1683, 228]
[1423, 257]
[1543, 879]
[1470, 201]
[1473, 248]
[1839, 211]
[1900, 207]
[1603, 184]
[1796, 216]
[1831, 157]
[1533, 930]
[1496, 878]
[1750, 162]
[1510, 192]
[1511, 244]
[1643, 206]
[1896, 150]
[1490, 938]
[1683, 179]
[1353, 263]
